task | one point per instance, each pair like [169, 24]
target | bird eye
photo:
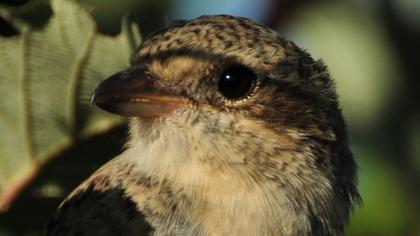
[237, 82]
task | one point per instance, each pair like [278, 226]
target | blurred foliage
[47, 77]
[149, 15]
[370, 47]
[386, 200]
[357, 52]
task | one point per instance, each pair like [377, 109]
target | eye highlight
[237, 82]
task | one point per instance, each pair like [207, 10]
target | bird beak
[133, 93]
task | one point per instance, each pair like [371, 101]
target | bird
[233, 130]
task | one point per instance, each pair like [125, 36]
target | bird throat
[233, 169]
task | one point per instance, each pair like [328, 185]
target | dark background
[372, 50]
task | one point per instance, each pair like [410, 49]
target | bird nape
[234, 130]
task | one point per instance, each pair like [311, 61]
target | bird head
[225, 96]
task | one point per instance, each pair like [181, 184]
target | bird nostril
[149, 83]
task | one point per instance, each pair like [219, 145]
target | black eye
[237, 82]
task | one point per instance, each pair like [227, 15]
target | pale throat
[217, 148]
[217, 161]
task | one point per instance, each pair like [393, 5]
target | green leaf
[47, 77]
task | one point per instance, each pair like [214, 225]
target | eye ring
[237, 82]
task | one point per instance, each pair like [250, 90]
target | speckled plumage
[273, 163]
